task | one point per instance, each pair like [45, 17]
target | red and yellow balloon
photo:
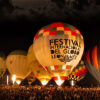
[58, 48]
[92, 61]
[79, 72]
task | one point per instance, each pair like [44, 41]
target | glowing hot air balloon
[58, 48]
[17, 65]
[92, 61]
[78, 73]
[39, 72]
[42, 75]
[2, 64]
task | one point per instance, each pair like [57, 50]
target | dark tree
[97, 2]
[6, 4]
[82, 3]
[60, 3]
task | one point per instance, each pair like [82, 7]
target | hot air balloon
[39, 72]
[42, 74]
[2, 64]
[31, 78]
[78, 73]
[17, 65]
[92, 61]
[58, 48]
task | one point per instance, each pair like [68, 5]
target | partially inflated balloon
[79, 72]
[17, 64]
[92, 60]
[37, 69]
[2, 64]
[58, 48]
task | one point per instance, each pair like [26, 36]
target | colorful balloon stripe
[57, 29]
[79, 71]
[57, 67]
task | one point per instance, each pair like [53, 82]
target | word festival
[61, 48]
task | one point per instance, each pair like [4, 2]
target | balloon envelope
[17, 64]
[37, 69]
[92, 60]
[58, 48]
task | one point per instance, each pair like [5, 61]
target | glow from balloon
[14, 79]
[59, 81]
[72, 83]
[7, 79]
[44, 82]
[18, 82]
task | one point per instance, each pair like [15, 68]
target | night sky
[21, 19]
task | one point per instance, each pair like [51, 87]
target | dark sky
[18, 23]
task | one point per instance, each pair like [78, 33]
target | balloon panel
[58, 28]
[54, 50]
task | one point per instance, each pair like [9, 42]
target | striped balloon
[79, 72]
[58, 48]
[92, 60]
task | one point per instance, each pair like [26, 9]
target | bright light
[14, 79]
[72, 83]
[44, 82]
[59, 81]
[18, 82]
[7, 79]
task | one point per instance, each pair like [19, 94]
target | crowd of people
[48, 93]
